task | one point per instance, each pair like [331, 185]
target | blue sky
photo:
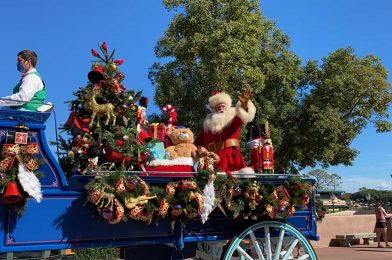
[63, 33]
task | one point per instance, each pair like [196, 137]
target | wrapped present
[158, 150]
[157, 131]
[167, 142]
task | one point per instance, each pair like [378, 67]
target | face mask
[20, 67]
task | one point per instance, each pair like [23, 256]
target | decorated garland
[18, 166]
[118, 197]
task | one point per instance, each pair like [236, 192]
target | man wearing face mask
[221, 129]
[30, 92]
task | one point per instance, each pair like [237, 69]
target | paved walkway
[358, 252]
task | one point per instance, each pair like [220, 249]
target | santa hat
[218, 98]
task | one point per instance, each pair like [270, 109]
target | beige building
[332, 199]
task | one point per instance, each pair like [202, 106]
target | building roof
[330, 191]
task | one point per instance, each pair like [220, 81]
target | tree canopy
[383, 196]
[314, 109]
[325, 180]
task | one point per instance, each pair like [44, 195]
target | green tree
[314, 110]
[325, 180]
[213, 45]
[384, 196]
[342, 97]
[336, 181]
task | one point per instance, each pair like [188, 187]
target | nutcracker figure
[141, 120]
[141, 112]
[255, 144]
[267, 152]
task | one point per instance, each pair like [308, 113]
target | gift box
[158, 150]
[157, 131]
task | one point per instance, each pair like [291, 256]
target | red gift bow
[22, 152]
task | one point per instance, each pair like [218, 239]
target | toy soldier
[267, 152]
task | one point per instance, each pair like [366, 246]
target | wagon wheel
[270, 240]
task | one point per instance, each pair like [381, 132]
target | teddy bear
[182, 139]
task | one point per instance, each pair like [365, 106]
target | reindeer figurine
[91, 105]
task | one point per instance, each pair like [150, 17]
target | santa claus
[221, 129]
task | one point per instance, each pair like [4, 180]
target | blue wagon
[62, 219]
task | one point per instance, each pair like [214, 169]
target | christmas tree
[106, 123]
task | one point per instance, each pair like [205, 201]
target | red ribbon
[9, 151]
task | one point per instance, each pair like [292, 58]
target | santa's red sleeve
[245, 116]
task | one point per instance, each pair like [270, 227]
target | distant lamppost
[333, 200]
[368, 197]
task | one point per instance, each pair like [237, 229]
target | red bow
[22, 152]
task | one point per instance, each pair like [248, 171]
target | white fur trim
[209, 201]
[246, 116]
[220, 98]
[166, 162]
[246, 170]
[29, 182]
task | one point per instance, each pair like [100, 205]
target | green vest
[38, 97]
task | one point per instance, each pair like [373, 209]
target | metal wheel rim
[268, 251]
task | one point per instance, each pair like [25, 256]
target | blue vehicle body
[63, 220]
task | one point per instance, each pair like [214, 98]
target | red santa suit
[221, 131]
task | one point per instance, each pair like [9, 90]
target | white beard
[216, 122]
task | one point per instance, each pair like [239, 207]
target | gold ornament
[101, 198]
[141, 200]
[191, 196]
[71, 155]
[91, 105]
[113, 66]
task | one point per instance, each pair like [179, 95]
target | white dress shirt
[31, 84]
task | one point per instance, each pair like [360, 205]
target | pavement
[357, 252]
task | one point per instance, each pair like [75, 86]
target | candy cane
[172, 114]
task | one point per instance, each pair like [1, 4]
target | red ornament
[11, 194]
[104, 46]
[119, 62]
[163, 208]
[120, 187]
[94, 53]
[120, 143]
[113, 156]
